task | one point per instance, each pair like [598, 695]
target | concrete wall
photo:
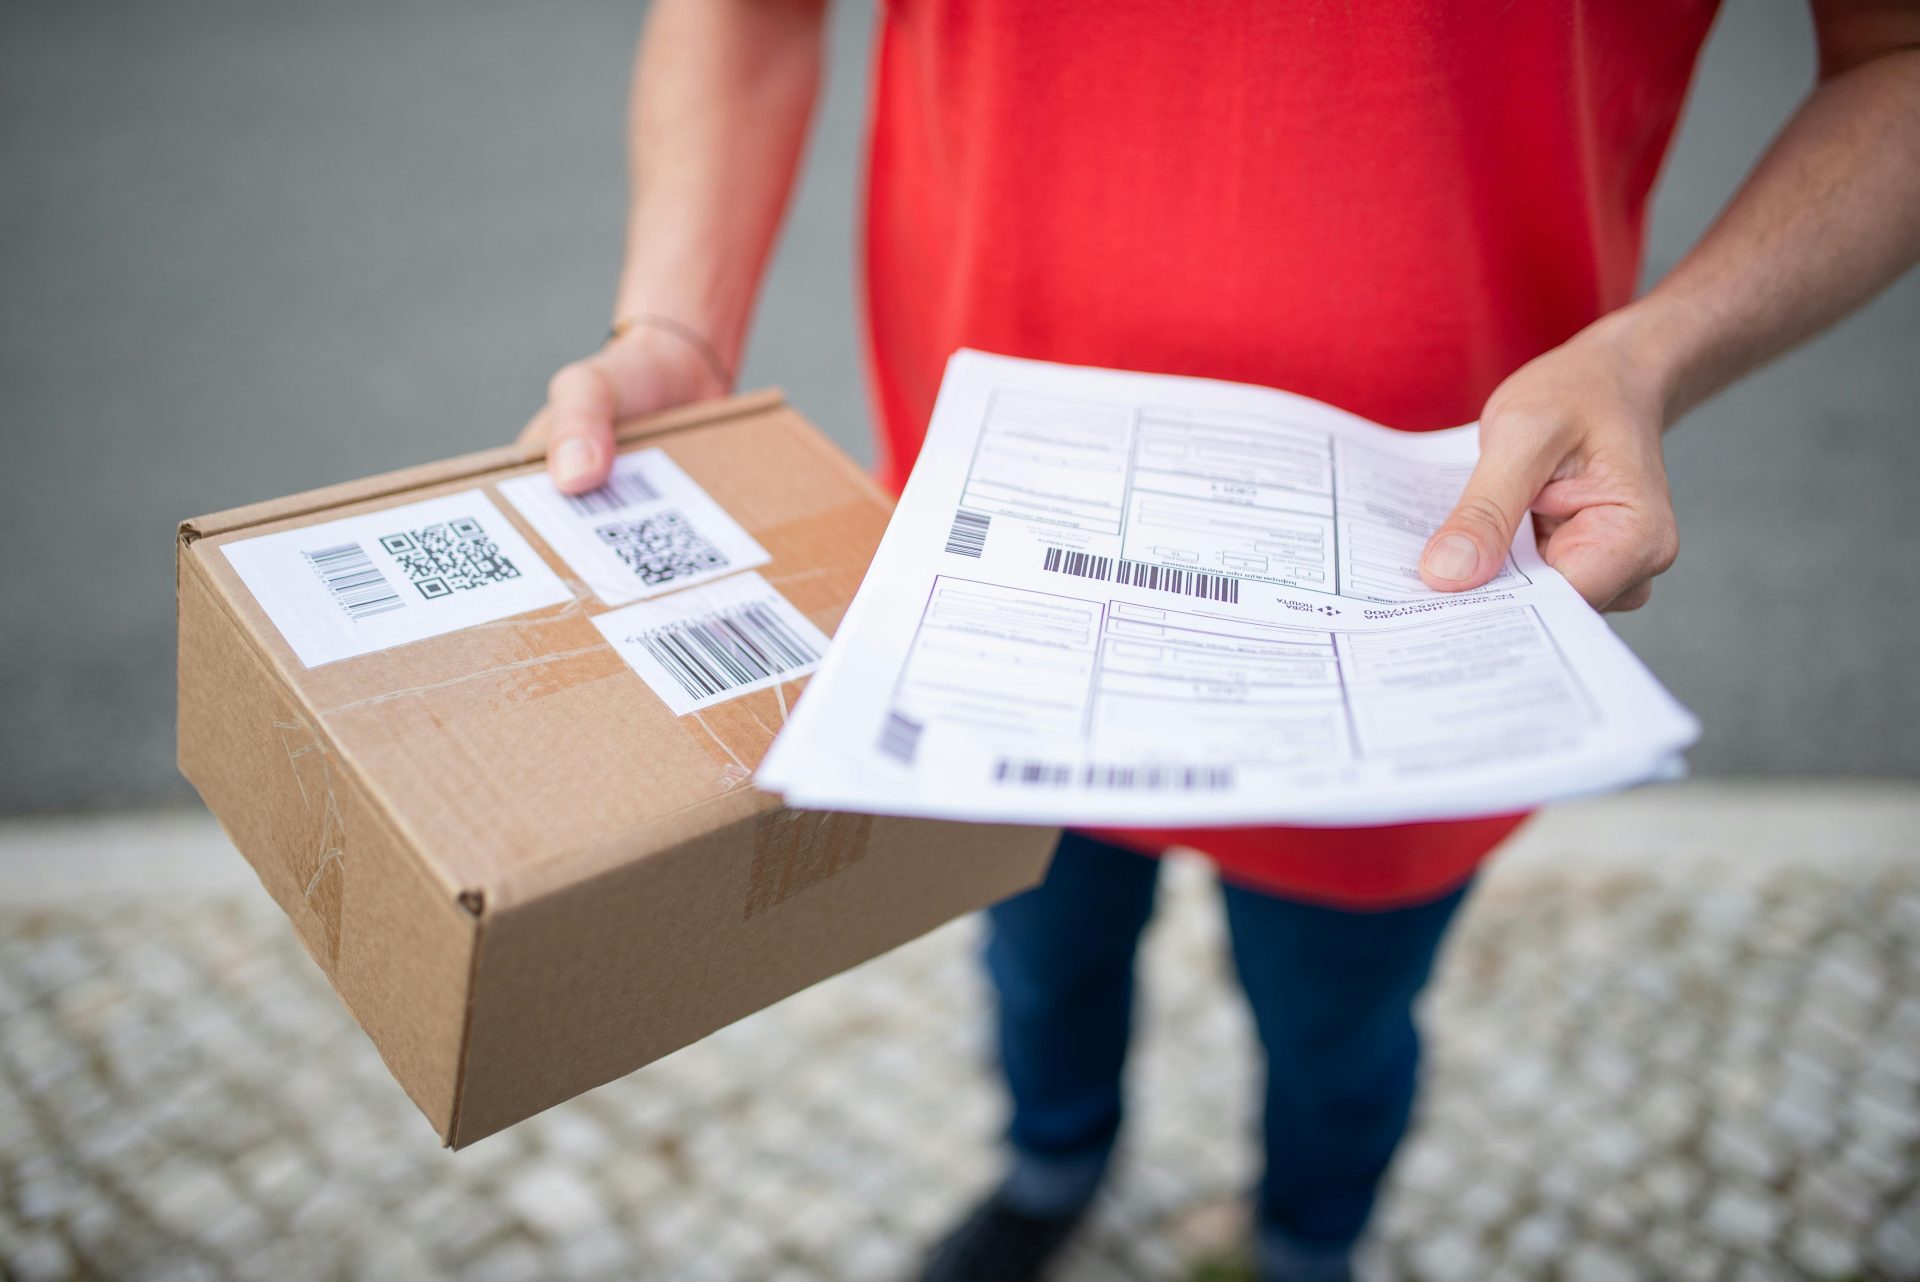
[252, 248]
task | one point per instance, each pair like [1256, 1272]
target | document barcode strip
[1051, 773]
[1084, 564]
[1214, 587]
[969, 534]
[355, 581]
[1164, 578]
[728, 649]
[1154, 778]
[622, 490]
[1059, 774]
[900, 737]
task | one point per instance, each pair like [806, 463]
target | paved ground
[1677, 1037]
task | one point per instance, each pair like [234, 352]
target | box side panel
[585, 984]
[394, 944]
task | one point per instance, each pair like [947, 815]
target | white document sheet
[1134, 600]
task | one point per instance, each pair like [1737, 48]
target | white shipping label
[649, 529]
[707, 645]
[370, 582]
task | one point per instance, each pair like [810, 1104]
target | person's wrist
[678, 341]
[677, 370]
[1646, 346]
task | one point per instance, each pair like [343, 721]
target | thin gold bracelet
[685, 333]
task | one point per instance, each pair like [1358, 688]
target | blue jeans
[1332, 994]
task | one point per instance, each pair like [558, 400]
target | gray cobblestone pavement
[1686, 1067]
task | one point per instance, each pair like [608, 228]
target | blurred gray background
[250, 248]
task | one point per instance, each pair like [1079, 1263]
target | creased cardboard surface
[365, 907]
[517, 744]
[523, 873]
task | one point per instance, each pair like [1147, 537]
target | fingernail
[572, 460]
[1453, 558]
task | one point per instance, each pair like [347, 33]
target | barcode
[969, 534]
[1052, 773]
[727, 649]
[1059, 774]
[1215, 587]
[1154, 778]
[355, 581]
[900, 737]
[621, 490]
[1084, 564]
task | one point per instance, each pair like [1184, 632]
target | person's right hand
[644, 370]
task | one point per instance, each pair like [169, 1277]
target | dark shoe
[1279, 1258]
[996, 1243]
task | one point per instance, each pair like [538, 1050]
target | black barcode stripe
[757, 631]
[724, 655]
[621, 490]
[1059, 774]
[728, 649]
[1084, 564]
[693, 675]
[1184, 778]
[900, 737]
[354, 580]
[1052, 773]
[969, 534]
[1166, 578]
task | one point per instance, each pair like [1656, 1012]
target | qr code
[448, 557]
[661, 547]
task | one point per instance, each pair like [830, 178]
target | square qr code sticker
[448, 557]
[662, 547]
[651, 529]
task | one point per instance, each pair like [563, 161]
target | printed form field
[1210, 497]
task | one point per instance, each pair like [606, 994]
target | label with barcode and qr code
[650, 529]
[370, 582]
[710, 644]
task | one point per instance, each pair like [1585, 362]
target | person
[1423, 214]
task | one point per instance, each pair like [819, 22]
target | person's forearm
[1829, 217]
[1831, 214]
[723, 93]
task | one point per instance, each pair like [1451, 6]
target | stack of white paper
[1124, 599]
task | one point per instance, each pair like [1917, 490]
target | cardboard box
[522, 872]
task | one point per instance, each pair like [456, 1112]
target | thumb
[628, 377]
[1471, 544]
[582, 404]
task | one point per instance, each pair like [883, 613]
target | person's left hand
[1575, 435]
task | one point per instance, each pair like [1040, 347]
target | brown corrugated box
[522, 873]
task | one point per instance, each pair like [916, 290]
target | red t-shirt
[1389, 206]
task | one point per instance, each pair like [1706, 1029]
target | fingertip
[1632, 599]
[1598, 572]
[576, 465]
[1451, 562]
